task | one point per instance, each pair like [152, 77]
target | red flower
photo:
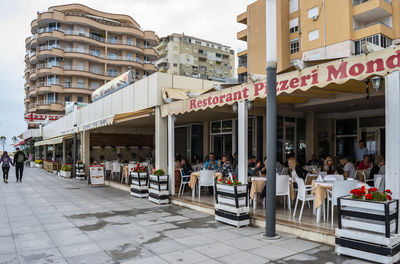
[229, 182]
[388, 191]
[373, 189]
[368, 196]
[220, 180]
[389, 197]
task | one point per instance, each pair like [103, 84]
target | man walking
[19, 159]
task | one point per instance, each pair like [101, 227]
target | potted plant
[159, 187]
[66, 170]
[139, 185]
[39, 163]
[232, 202]
[368, 225]
[55, 167]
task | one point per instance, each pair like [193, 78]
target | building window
[67, 83]
[113, 40]
[175, 65]
[52, 79]
[294, 25]
[293, 6]
[82, 32]
[294, 46]
[81, 83]
[79, 99]
[129, 57]
[95, 52]
[313, 35]
[112, 55]
[313, 12]
[112, 72]
[67, 99]
[379, 40]
[146, 44]
[129, 41]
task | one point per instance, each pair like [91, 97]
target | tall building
[317, 30]
[189, 56]
[75, 49]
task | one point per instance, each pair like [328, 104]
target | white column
[161, 140]
[392, 156]
[85, 143]
[243, 120]
[171, 152]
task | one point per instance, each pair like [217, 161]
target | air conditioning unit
[314, 18]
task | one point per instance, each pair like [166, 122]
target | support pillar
[243, 120]
[392, 155]
[171, 153]
[161, 139]
[64, 144]
[85, 143]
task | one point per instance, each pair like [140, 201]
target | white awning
[97, 123]
[52, 141]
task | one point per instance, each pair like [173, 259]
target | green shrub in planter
[66, 167]
[159, 172]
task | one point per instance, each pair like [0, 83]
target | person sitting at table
[364, 165]
[314, 161]
[187, 169]
[250, 167]
[279, 167]
[349, 170]
[196, 159]
[329, 168]
[178, 159]
[211, 163]
[226, 167]
[378, 165]
[296, 169]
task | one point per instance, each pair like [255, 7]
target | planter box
[65, 174]
[139, 175]
[232, 204]
[159, 189]
[368, 230]
[139, 191]
[32, 164]
[38, 165]
[80, 171]
[140, 183]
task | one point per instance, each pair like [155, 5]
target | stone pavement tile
[62, 240]
[272, 252]
[26, 228]
[196, 240]
[128, 251]
[9, 259]
[297, 244]
[33, 245]
[164, 246]
[156, 221]
[191, 213]
[58, 226]
[65, 232]
[32, 236]
[247, 243]
[222, 235]
[79, 249]
[174, 218]
[45, 256]
[152, 260]
[92, 258]
[7, 246]
[216, 250]
[242, 257]
[5, 230]
[249, 231]
[178, 233]
[162, 227]
[187, 256]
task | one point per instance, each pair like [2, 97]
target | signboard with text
[41, 117]
[112, 86]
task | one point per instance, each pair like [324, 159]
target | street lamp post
[271, 65]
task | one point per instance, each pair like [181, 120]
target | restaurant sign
[340, 71]
[41, 117]
[112, 86]
[69, 106]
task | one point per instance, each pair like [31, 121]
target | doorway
[221, 145]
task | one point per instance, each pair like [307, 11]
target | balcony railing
[32, 88]
[31, 105]
[103, 40]
[48, 102]
[78, 86]
[82, 68]
[101, 20]
[370, 24]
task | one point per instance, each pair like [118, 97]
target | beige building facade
[193, 57]
[75, 49]
[316, 30]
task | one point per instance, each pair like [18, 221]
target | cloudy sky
[213, 20]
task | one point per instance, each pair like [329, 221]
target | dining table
[194, 177]
[319, 189]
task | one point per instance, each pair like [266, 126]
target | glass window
[216, 127]
[113, 40]
[301, 140]
[52, 79]
[293, 5]
[294, 25]
[95, 52]
[129, 41]
[80, 99]
[112, 55]
[346, 126]
[67, 99]
[227, 126]
[346, 146]
[376, 121]
[312, 12]
[197, 141]
[112, 72]
[294, 46]
[81, 83]
[129, 57]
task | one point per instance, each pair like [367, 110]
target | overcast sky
[213, 20]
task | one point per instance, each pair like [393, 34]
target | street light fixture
[376, 83]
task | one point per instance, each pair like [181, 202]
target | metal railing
[82, 68]
[48, 102]
[101, 20]
[32, 88]
[78, 86]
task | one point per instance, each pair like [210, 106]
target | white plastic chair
[339, 188]
[379, 182]
[206, 179]
[283, 188]
[184, 181]
[108, 167]
[323, 174]
[116, 168]
[302, 195]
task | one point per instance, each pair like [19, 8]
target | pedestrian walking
[7, 161]
[19, 160]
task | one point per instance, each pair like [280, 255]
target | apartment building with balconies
[317, 30]
[75, 49]
[194, 57]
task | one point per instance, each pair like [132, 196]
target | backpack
[20, 158]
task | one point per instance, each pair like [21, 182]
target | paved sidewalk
[47, 219]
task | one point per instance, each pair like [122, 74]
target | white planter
[232, 205]
[65, 174]
[163, 186]
[158, 191]
[163, 178]
[368, 230]
[139, 183]
[141, 175]
[38, 165]
[32, 164]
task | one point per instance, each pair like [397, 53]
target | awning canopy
[52, 141]
[97, 123]
[320, 81]
[119, 118]
[19, 143]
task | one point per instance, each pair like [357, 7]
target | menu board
[96, 173]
